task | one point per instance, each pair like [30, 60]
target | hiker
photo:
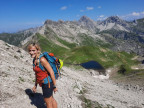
[49, 87]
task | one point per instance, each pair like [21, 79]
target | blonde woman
[34, 51]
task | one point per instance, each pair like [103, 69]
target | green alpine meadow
[73, 54]
[113, 43]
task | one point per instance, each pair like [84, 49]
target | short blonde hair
[34, 45]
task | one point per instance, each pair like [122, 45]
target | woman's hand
[34, 89]
[55, 90]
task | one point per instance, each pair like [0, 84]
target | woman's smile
[33, 52]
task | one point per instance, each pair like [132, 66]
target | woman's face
[33, 51]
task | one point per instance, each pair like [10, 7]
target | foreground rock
[97, 90]
[76, 88]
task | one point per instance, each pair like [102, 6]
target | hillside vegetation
[14, 38]
[84, 40]
[80, 54]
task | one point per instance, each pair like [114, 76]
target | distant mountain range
[113, 33]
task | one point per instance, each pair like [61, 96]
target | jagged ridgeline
[112, 42]
[14, 38]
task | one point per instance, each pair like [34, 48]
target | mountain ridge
[85, 28]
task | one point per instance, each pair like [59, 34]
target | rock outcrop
[76, 88]
[122, 32]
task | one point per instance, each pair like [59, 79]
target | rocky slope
[119, 34]
[76, 88]
[115, 31]
[114, 22]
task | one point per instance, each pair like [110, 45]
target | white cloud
[81, 10]
[101, 16]
[135, 14]
[63, 8]
[142, 12]
[89, 8]
[77, 15]
[43, 22]
[99, 7]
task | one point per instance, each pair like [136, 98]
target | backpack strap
[58, 70]
[43, 69]
[37, 63]
[33, 63]
[40, 65]
[44, 55]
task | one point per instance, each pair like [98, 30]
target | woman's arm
[35, 81]
[45, 63]
[35, 86]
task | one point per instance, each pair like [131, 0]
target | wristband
[54, 86]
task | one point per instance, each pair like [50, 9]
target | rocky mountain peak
[115, 19]
[87, 22]
[84, 19]
[60, 21]
[71, 31]
[48, 22]
[114, 22]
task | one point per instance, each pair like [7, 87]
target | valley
[117, 45]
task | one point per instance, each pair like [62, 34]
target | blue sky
[16, 15]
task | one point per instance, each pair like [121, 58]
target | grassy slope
[104, 56]
[49, 46]
[89, 41]
[81, 54]
[69, 45]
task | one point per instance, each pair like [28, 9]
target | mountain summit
[85, 19]
[114, 22]
[114, 19]
[87, 22]
[119, 34]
